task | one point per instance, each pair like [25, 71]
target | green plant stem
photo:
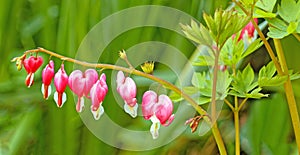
[289, 93]
[288, 85]
[236, 125]
[220, 143]
[215, 130]
[237, 131]
[296, 36]
[242, 104]
[229, 104]
[214, 87]
[169, 85]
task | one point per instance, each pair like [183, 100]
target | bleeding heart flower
[81, 85]
[247, 34]
[47, 76]
[98, 93]
[127, 89]
[60, 82]
[158, 109]
[31, 65]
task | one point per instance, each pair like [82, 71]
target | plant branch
[236, 125]
[242, 104]
[169, 85]
[214, 86]
[229, 104]
[215, 130]
[237, 131]
[296, 35]
[289, 93]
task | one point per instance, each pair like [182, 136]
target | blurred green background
[31, 125]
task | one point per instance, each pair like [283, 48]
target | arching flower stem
[165, 83]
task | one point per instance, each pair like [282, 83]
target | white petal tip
[80, 107]
[64, 98]
[132, 111]
[98, 113]
[154, 130]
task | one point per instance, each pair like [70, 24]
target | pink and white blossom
[47, 76]
[81, 84]
[97, 94]
[31, 65]
[60, 83]
[126, 87]
[158, 109]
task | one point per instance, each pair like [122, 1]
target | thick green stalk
[215, 129]
[218, 137]
[281, 69]
[289, 93]
[296, 36]
[237, 131]
[214, 87]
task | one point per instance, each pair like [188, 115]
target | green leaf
[267, 71]
[294, 76]
[277, 33]
[266, 76]
[190, 90]
[238, 94]
[292, 27]
[204, 60]
[248, 2]
[258, 13]
[203, 100]
[244, 82]
[175, 97]
[298, 27]
[255, 94]
[198, 80]
[197, 33]
[289, 10]
[278, 28]
[252, 47]
[224, 24]
[223, 83]
[266, 5]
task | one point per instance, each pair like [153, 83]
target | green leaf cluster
[288, 21]
[224, 24]
[197, 33]
[201, 89]
[264, 9]
[234, 51]
[231, 54]
[267, 77]
[245, 86]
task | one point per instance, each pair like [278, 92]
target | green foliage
[234, 51]
[206, 57]
[278, 28]
[245, 86]
[224, 24]
[266, 5]
[202, 87]
[289, 11]
[231, 54]
[266, 76]
[197, 33]
[259, 13]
